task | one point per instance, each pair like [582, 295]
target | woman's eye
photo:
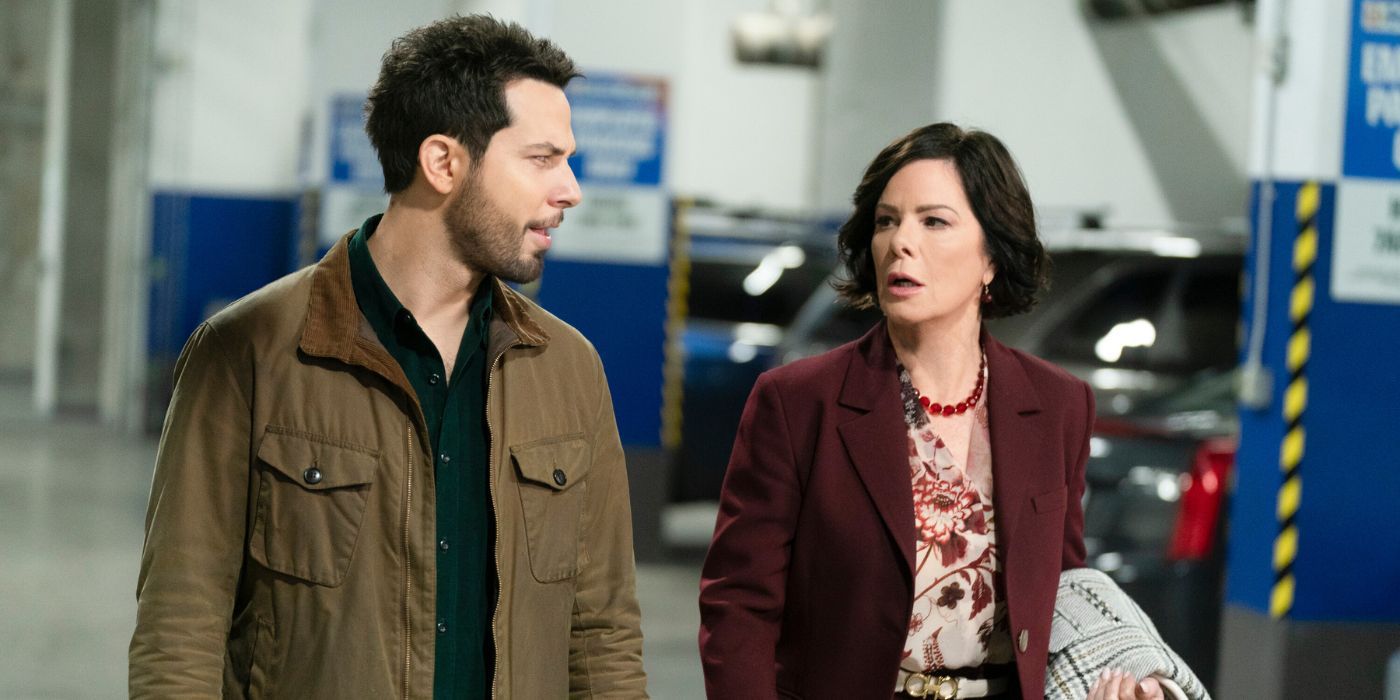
[934, 222]
[883, 222]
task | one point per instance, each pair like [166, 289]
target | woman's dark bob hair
[999, 200]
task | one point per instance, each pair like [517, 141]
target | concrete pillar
[878, 82]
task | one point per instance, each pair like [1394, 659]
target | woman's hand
[1119, 685]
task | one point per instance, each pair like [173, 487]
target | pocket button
[560, 477]
[312, 475]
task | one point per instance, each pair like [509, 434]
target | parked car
[749, 275]
[1156, 506]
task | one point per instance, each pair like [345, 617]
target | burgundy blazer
[809, 582]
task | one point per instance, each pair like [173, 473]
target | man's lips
[543, 227]
[542, 236]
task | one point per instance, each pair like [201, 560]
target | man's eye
[542, 160]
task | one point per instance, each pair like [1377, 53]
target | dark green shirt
[455, 411]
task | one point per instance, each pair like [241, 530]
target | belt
[946, 687]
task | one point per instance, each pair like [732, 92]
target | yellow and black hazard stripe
[1295, 400]
[677, 309]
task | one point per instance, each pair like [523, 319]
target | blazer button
[560, 477]
[1022, 639]
[312, 475]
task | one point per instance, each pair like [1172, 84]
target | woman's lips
[908, 287]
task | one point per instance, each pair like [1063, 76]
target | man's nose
[569, 195]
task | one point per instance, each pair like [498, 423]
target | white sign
[344, 209]
[1366, 246]
[617, 225]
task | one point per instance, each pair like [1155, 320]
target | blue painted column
[1314, 553]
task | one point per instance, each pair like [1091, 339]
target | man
[388, 474]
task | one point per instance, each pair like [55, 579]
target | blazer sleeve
[1073, 553]
[743, 582]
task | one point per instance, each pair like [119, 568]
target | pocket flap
[557, 462]
[317, 463]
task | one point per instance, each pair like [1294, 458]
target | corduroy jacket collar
[336, 329]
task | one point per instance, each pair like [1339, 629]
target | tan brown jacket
[257, 582]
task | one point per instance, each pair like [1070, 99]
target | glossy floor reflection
[72, 502]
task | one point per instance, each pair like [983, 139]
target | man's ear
[443, 162]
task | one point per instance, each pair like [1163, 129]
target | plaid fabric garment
[1097, 626]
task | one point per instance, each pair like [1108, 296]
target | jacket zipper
[407, 570]
[496, 522]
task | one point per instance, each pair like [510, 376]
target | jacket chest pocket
[553, 494]
[311, 503]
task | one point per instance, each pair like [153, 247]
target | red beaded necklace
[937, 409]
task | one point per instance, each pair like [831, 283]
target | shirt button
[312, 475]
[444, 458]
[442, 544]
[434, 378]
[1022, 640]
[560, 477]
[442, 628]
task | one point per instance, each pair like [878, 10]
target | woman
[897, 511]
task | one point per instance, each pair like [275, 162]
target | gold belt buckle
[923, 685]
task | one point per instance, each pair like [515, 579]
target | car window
[1117, 325]
[1211, 314]
[753, 283]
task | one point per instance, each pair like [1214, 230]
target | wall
[239, 93]
[1147, 120]
[880, 82]
[739, 134]
[230, 94]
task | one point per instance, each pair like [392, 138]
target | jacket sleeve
[195, 521]
[1073, 553]
[744, 580]
[605, 645]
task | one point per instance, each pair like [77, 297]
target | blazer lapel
[876, 441]
[1016, 431]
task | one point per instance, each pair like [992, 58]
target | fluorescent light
[1098, 447]
[771, 268]
[765, 334]
[1176, 247]
[1139, 333]
[741, 352]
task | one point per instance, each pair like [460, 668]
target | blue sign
[619, 124]
[1372, 142]
[353, 160]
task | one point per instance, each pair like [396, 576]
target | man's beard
[485, 239]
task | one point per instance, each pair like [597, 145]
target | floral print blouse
[959, 616]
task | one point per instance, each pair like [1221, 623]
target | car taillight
[1202, 499]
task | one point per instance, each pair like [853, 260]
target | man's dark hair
[449, 77]
[999, 199]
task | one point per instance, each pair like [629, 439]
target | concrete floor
[72, 504]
